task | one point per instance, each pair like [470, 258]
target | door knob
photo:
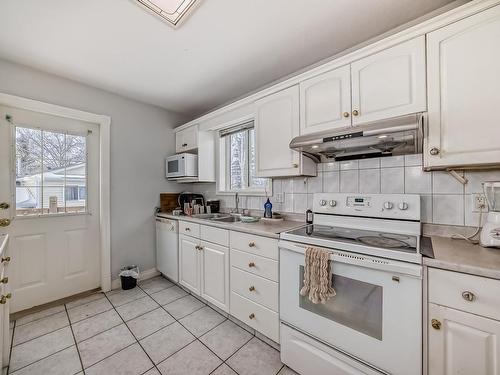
[346, 114]
[4, 205]
[436, 324]
[5, 222]
[4, 298]
[434, 151]
[4, 280]
[355, 112]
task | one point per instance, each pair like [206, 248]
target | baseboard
[144, 275]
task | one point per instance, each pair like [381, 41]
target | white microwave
[182, 165]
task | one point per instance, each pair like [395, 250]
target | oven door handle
[361, 260]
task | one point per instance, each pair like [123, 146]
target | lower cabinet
[462, 343]
[204, 270]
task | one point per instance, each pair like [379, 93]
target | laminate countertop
[462, 256]
[260, 228]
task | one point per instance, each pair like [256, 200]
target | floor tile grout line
[135, 338]
[41, 359]
[36, 320]
[74, 339]
[88, 317]
[37, 337]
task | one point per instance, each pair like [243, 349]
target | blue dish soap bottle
[268, 209]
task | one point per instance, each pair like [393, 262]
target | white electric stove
[374, 323]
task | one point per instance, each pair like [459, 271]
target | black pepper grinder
[309, 216]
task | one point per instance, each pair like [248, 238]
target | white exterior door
[215, 274]
[49, 175]
[189, 263]
[463, 81]
[389, 83]
[276, 123]
[462, 343]
[325, 101]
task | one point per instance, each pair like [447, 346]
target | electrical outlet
[479, 203]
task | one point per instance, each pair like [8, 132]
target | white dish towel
[317, 276]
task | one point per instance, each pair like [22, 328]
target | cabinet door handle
[252, 288]
[355, 112]
[436, 324]
[251, 316]
[251, 264]
[295, 165]
[187, 229]
[346, 114]
[434, 151]
[5, 260]
[251, 244]
[468, 296]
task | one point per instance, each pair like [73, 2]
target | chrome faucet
[236, 203]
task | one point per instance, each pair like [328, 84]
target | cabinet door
[325, 101]
[276, 123]
[189, 263]
[389, 83]
[186, 139]
[463, 83]
[463, 343]
[215, 274]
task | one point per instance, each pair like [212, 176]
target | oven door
[175, 166]
[376, 315]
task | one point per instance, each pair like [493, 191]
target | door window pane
[357, 305]
[50, 169]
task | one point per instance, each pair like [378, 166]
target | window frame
[13, 175]
[224, 169]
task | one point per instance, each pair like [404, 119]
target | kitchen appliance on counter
[214, 205]
[373, 325]
[490, 234]
[167, 251]
[181, 166]
[191, 200]
[397, 136]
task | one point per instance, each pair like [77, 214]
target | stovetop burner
[352, 235]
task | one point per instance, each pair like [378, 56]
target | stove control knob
[403, 206]
[322, 202]
[388, 205]
[332, 203]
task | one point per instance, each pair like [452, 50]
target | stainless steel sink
[209, 216]
[227, 219]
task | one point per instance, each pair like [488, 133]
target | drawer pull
[187, 229]
[436, 324]
[184, 145]
[5, 280]
[251, 244]
[251, 316]
[251, 264]
[6, 260]
[4, 298]
[468, 296]
[252, 288]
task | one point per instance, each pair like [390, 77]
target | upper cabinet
[325, 101]
[463, 62]
[187, 139]
[386, 84]
[276, 123]
[389, 83]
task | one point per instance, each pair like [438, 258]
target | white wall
[141, 137]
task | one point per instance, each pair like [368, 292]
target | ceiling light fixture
[172, 11]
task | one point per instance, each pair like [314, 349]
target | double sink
[221, 218]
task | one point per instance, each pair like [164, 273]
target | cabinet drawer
[263, 246]
[189, 229]
[256, 316]
[475, 294]
[255, 264]
[255, 288]
[214, 235]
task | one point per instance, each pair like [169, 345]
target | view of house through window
[240, 162]
[51, 173]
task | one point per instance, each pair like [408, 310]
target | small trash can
[128, 276]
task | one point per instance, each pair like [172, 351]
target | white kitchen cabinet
[325, 101]
[189, 263]
[462, 343]
[389, 83]
[186, 139]
[215, 274]
[463, 83]
[276, 123]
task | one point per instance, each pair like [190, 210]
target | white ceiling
[225, 48]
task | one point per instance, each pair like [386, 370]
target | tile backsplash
[444, 199]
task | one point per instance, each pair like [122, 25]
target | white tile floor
[156, 328]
